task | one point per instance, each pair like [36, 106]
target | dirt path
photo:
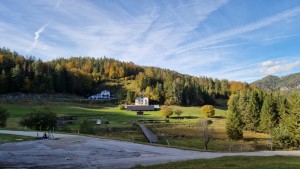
[71, 151]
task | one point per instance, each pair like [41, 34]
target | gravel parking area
[71, 151]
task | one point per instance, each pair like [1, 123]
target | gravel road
[72, 151]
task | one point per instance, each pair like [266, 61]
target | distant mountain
[274, 83]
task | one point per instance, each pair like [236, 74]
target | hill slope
[275, 83]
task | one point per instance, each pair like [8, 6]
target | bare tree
[207, 133]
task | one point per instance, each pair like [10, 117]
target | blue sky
[234, 39]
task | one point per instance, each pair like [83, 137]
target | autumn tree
[166, 111]
[17, 78]
[208, 110]
[131, 95]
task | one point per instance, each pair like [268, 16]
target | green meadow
[182, 131]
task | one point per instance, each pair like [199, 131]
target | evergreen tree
[291, 119]
[253, 110]
[4, 115]
[3, 82]
[242, 108]
[269, 114]
[61, 76]
[234, 122]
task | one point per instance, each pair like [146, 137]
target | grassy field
[275, 162]
[182, 131]
[6, 138]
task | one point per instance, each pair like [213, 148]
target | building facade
[142, 101]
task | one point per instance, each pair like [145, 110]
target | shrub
[41, 118]
[3, 117]
[166, 111]
[178, 112]
[234, 133]
[208, 110]
[85, 126]
[121, 107]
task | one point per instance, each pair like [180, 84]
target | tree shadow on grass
[184, 117]
[218, 117]
[221, 107]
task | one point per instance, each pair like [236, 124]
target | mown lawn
[245, 162]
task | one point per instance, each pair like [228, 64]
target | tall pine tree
[234, 122]
[269, 114]
[253, 110]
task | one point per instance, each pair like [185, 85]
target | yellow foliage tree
[208, 110]
[166, 111]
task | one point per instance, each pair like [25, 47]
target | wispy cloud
[235, 32]
[186, 36]
[281, 37]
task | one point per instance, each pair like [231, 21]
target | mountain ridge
[275, 83]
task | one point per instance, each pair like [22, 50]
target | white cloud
[277, 67]
[268, 63]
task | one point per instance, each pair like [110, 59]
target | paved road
[71, 151]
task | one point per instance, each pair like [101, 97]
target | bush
[208, 110]
[166, 111]
[85, 126]
[178, 112]
[121, 107]
[4, 115]
[235, 133]
[41, 118]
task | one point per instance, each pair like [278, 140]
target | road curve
[73, 151]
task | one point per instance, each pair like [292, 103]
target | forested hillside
[274, 83]
[83, 75]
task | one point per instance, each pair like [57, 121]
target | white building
[105, 94]
[142, 100]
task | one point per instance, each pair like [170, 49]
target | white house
[142, 100]
[103, 95]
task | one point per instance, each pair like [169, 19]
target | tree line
[82, 75]
[271, 113]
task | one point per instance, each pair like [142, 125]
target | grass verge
[274, 162]
[6, 138]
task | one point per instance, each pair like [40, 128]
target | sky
[242, 40]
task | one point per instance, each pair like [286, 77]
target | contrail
[57, 4]
[41, 29]
[37, 35]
